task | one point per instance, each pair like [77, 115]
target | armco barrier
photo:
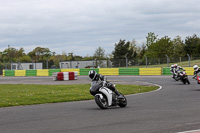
[9, 72]
[70, 70]
[166, 71]
[150, 71]
[128, 71]
[20, 72]
[51, 71]
[109, 71]
[43, 72]
[84, 71]
[31, 72]
[103, 71]
[3, 72]
[189, 70]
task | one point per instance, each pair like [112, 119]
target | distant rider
[196, 70]
[172, 71]
[98, 78]
[177, 70]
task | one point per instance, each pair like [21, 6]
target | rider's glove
[104, 83]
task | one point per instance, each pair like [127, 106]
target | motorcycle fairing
[108, 94]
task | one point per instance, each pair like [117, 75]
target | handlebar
[104, 83]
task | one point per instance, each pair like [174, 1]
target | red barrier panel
[60, 76]
[71, 76]
[65, 76]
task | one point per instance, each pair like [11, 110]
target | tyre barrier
[109, 71]
[20, 73]
[189, 70]
[150, 71]
[70, 70]
[84, 71]
[65, 75]
[128, 71]
[103, 71]
[43, 72]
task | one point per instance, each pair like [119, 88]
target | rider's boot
[112, 87]
[120, 96]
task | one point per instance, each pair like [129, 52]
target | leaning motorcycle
[105, 97]
[198, 78]
[184, 77]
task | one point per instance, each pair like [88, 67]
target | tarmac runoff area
[50, 81]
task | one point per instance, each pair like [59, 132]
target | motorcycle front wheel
[122, 102]
[102, 103]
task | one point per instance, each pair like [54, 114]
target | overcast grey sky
[81, 26]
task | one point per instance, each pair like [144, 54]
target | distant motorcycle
[175, 76]
[184, 77]
[105, 97]
[198, 78]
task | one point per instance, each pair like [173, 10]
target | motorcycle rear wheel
[187, 80]
[102, 103]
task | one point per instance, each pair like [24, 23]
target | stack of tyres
[67, 76]
[71, 76]
[54, 74]
[60, 76]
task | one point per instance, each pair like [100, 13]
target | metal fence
[106, 63]
[152, 62]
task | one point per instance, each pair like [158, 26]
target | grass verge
[21, 94]
[183, 64]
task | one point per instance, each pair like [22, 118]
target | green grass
[21, 94]
[183, 64]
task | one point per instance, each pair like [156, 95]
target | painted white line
[160, 87]
[192, 131]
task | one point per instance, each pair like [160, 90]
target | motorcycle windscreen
[94, 87]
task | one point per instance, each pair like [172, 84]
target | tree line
[157, 49]
[154, 47]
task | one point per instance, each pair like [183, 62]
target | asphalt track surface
[174, 108]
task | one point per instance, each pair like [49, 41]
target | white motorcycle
[105, 97]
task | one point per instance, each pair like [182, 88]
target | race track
[174, 108]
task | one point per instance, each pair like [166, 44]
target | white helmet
[195, 67]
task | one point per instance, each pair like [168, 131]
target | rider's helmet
[175, 65]
[195, 67]
[92, 74]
